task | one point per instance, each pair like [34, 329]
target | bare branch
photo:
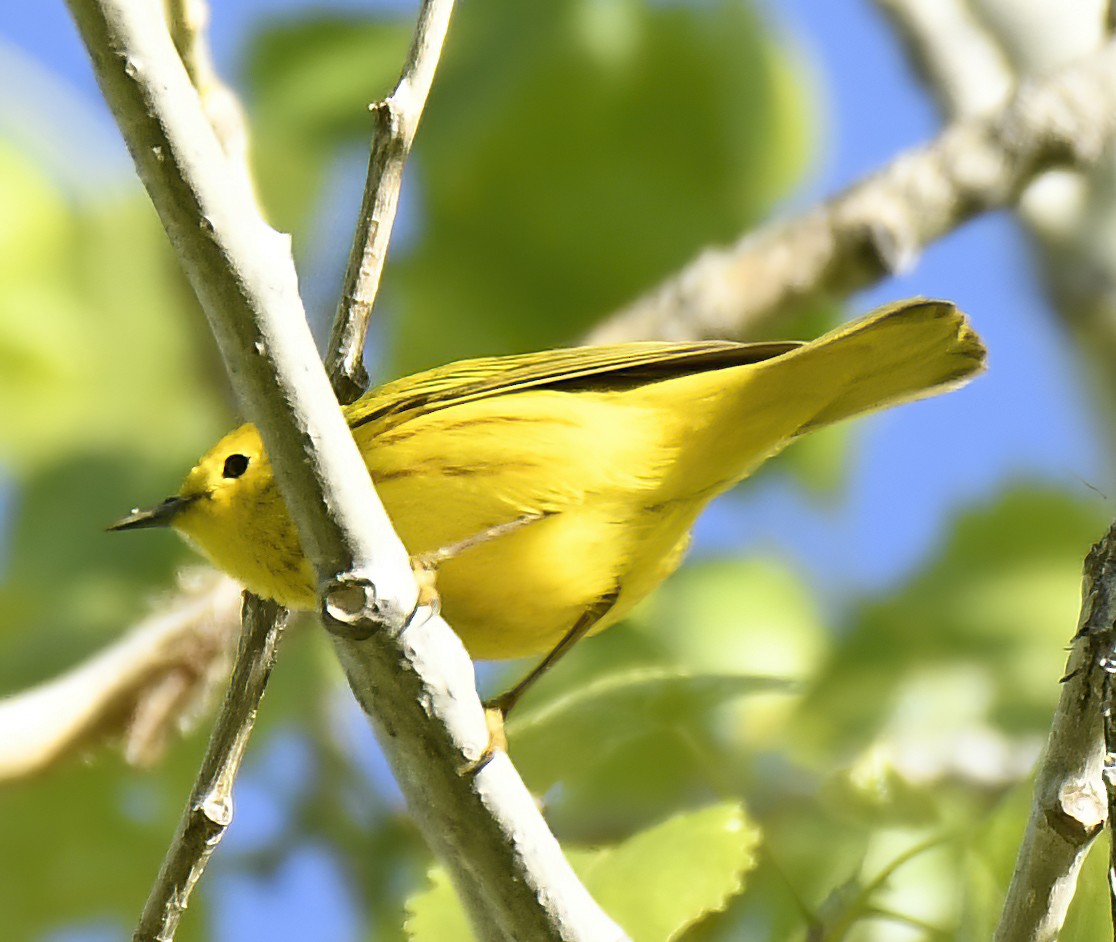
[972, 60]
[187, 21]
[963, 65]
[208, 812]
[395, 121]
[1039, 36]
[881, 224]
[209, 809]
[1069, 806]
[415, 679]
[138, 688]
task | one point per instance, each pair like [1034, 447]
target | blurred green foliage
[655, 884]
[573, 154]
[623, 136]
[105, 388]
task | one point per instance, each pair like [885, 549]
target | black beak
[160, 516]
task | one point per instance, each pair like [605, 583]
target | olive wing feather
[603, 368]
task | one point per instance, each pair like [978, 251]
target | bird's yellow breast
[590, 479]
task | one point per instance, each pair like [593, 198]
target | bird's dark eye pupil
[235, 466]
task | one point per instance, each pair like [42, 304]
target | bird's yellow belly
[550, 572]
[598, 530]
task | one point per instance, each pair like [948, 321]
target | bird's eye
[235, 466]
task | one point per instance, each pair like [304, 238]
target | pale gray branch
[187, 21]
[415, 678]
[209, 809]
[973, 54]
[1069, 806]
[881, 224]
[395, 121]
[137, 688]
[963, 64]
[968, 58]
[208, 812]
[1039, 36]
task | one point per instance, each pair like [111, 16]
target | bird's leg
[425, 565]
[496, 710]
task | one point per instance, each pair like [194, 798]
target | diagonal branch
[879, 225]
[137, 688]
[1069, 806]
[187, 21]
[415, 680]
[395, 121]
[964, 67]
[209, 809]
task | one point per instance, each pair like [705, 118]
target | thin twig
[1108, 712]
[209, 810]
[415, 681]
[188, 22]
[1069, 806]
[880, 225]
[1106, 659]
[137, 688]
[395, 121]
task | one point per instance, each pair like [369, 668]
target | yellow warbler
[556, 489]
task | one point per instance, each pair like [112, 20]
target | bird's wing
[601, 368]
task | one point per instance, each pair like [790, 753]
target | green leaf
[84, 842]
[752, 616]
[571, 732]
[571, 155]
[977, 636]
[79, 343]
[664, 880]
[311, 81]
[655, 884]
[105, 403]
[435, 915]
[574, 153]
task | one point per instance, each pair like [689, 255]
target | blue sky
[1026, 420]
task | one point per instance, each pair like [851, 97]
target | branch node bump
[218, 809]
[893, 245]
[351, 608]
